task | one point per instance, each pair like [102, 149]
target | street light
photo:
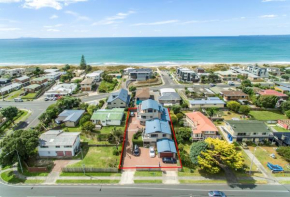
[18, 159]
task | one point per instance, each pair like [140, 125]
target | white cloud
[9, 29]
[78, 16]
[114, 19]
[265, 1]
[204, 21]
[53, 26]
[53, 30]
[156, 23]
[37, 4]
[268, 16]
[53, 17]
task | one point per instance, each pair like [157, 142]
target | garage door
[166, 155]
[68, 153]
[59, 153]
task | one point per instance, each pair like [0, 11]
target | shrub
[287, 113]
[115, 152]
[284, 151]
[179, 116]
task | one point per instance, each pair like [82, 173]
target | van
[18, 100]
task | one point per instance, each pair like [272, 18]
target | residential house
[200, 92]
[54, 75]
[24, 80]
[166, 148]
[2, 72]
[274, 70]
[142, 74]
[259, 71]
[151, 109]
[39, 80]
[273, 93]
[64, 89]
[142, 95]
[29, 71]
[169, 99]
[56, 143]
[200, 70]
[87, 84]
[201, 126]
[120, 99]
[283, 89]
[155, 130]
[227, 75]
[78, 73]
[234, 96]
[247, 130]
[10, 88]
[70, 118]
[284, 124]
[51, 70]
[16, 72]
[4, 81]
[32, 88]
[186, 75]
[97, 75]
[108, 117]
[127, 70]
[207, 103]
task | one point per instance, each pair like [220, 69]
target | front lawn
[87, 181]
[267, 115]
[201, 181]
[98, 157]
[30, 95]
[13, 95]
[108, 129]
[196, 172]
[89, 174]
[148, 173]
[10, 177]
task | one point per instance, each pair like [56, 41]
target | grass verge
[252, 182]
[201, 181]
[10, 177]
[90, 174]
[148, 173]
[147, 181]
[87, 181]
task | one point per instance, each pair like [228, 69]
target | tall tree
[83, 64]
[195, 150]
[246, 83]
[219, 155]
[234, 106]
[10, 113]
[23, 141]
[267, 101]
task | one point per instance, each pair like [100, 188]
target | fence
[35, 169]
[102, 145]
[114, 170]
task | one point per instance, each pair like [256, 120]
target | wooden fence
[114, 170]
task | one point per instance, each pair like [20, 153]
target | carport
[166, 148]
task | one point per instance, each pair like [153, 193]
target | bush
[181, 123]
[179, 116]
[181, 147]
[115, 152]
[287, 113]
[284, 151]
[103, 137]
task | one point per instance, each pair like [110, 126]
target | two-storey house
[120, 99]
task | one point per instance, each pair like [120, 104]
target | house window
[48, 152]
[254, 133]
[154, 135]
[151, 116]
[57, 146]
[43, 146]
[150, 110]
[264, 133]
[109, 103]
[67, 146]
[164, 135]
[143, 117]
[241, 134]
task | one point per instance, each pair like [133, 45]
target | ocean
[146, 51]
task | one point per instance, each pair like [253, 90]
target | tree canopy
[83, 64]
[219, 154]
[244, 109]
[234, 106]
[246, 83]
[10, 113]
[285, 106]
[195, 150]
[267, 101]
[24, 141]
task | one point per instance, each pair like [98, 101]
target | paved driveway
[144, 160]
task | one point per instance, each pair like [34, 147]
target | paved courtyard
[144, 160]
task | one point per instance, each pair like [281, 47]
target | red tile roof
[202, 122]
[272, 92]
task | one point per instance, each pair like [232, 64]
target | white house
[97, 75]
[56, 143]
[53, 75]
[63, 89]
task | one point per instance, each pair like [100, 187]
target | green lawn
[148, 181]
[73, 129]
[90, 174]
[280, 129]
[87, 181]
[267, 115]
[106, 86]
[285, 182]
[20, 116]
[196, 172]
[98, 157]
[201, 181]
[9, 177]
[252, 181]
[27, 173]
[29, 96]
[14, 94]
[108, 129]
[148, 173]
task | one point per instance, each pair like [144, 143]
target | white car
[151, 151]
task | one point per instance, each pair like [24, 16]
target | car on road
[169, 160]
[212, 85]
[132, 114]
[18, 100]
[151, 151]
[136, 150]
[216, 193]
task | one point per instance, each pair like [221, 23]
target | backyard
[106, 86]
[267, 115]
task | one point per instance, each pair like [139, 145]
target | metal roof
[122, 95]
[170, 96]
[249, 126]
[166, 145]
[108, 114]
[71, 115]
[58, 138]
[156, 125]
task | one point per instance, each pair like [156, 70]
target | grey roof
[122, 95]
[152, 104]
[204, 102]
[71, 115]
[168, 96]
[10, 87]
[4, 79]
[58, 138]
[156, 125]
[22, 78]
[141, 70]
[166, 145]
[249, 126]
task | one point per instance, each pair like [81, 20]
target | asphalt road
[142, 190]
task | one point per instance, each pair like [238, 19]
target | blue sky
[137, 18]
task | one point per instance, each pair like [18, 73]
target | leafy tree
[83, 64]
[244, 109]
[50, 114]
[10, 113]
[234, 106]
[88, 126]
[212, 111]
[248, 90]
[116, 136]
[213, 78]
[184, 105]
[287, 113]
[88, 69]
[219, 154]
[285, 77]
[195, 150]
[66, 67]
[68, 103]
[184, 134]
[285, 106]
[246, 83]
[288, 71]
[83, 106]
[174, 119]
[91, 109]
[179, 116]
[84, 119]
[23, 141]
[132, 88]
[38, 71]
[176, 109]
[284, 151]
[267, 101]
[108, 78]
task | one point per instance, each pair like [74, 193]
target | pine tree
[83, 64]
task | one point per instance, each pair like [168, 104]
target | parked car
[136, 150]
[46, 99]
[212, 85]
[18, 100]
[169, 160]
[132, 114]
[151, 151]
[216, 193]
